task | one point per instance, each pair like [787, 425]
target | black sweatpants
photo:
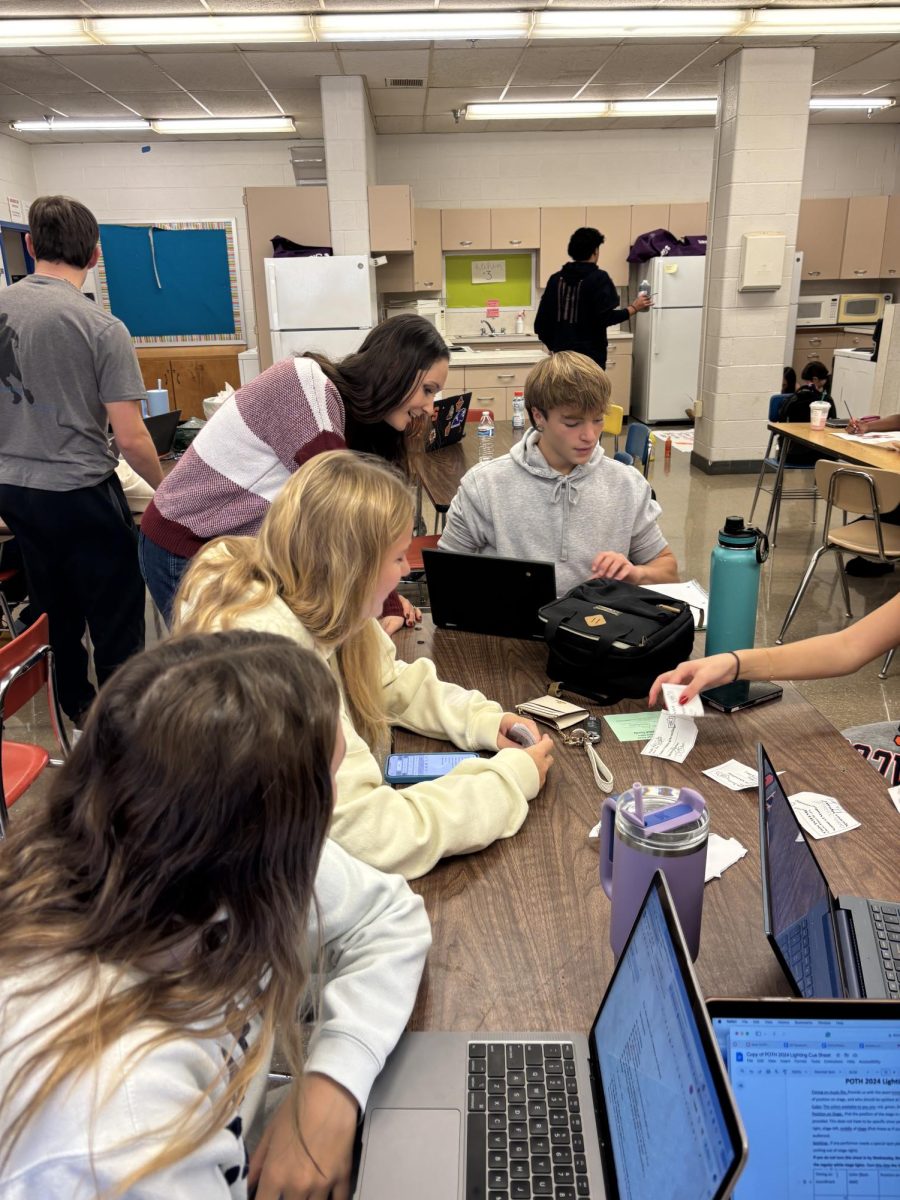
[79, 549]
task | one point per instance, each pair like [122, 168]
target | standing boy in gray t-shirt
[68, 371]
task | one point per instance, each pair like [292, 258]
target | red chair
[26, 666]
[414, 554]
[6, 576]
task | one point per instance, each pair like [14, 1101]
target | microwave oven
[818, 310]
[862, 308]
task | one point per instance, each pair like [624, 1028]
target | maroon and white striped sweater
[242, 458]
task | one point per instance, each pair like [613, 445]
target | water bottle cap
[734, 525]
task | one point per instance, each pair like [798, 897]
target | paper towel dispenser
[762, 262]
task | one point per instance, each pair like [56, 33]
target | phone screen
[422, 766]
[742, 694]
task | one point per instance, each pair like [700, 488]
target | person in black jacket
[580, 302]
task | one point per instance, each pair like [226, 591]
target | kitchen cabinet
[854, 341]
[685, 219]
[890, 254]
[864, 237]
[618, 368]
[820, 235]
[428, 261]
[557, 226]
[390, 218]
[515, 228]
[645, 217]
[816, 345]
[614, 222]
[191, 373]
[466, 228]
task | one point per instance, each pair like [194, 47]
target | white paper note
[674, 738]
[671, 692]
[821, 816]
[734, 775]
[722, 853]
[894, 794]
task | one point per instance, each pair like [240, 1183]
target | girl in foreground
[164, 910]
[246, 453]
[331, 547]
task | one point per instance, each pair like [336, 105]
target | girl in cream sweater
[331, 547]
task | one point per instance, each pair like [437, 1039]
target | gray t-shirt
[62, 360]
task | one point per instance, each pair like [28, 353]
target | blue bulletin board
[172, 283]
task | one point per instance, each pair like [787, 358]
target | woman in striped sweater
[243, 457]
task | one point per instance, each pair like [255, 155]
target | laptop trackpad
[411, 1153]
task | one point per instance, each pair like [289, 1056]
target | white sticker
[674, 738]
[671, 692]
[894, 794]
[734, 775]
[821, 816]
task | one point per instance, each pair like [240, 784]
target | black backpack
[795, 408]
[610, 640]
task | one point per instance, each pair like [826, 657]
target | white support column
[757, 178]
[349, 160]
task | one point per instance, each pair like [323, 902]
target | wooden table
[440, 471]
[521, 929]
[828, 445]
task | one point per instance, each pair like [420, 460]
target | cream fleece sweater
[408, 829]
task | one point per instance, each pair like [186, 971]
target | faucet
[491, 331]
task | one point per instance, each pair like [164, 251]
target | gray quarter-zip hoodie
[518, 506]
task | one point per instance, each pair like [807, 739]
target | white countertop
[495, 358]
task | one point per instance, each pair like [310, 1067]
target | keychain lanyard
[602, 775]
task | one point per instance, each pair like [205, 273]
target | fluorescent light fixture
[536, 110]
[45, 33]
[816, 22]
[664, 108]
[845, 102]
[168, 31]
[75, 125]
[636, 23]
[422, 27]
[225, 125]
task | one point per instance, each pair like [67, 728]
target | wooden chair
[865, 492]
[26, 666]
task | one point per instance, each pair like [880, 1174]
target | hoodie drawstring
[564, 484]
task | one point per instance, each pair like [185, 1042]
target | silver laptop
[828, 946]
[641, 1109]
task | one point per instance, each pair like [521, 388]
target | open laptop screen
[796, 897]
[667, 1126]
[820, 1100]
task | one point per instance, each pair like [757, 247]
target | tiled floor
[694, 507]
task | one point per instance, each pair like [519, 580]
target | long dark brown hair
[180, 842]
[379, 377]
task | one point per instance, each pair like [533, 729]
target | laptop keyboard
[523, 1133]
[796, 951]
[886, 919]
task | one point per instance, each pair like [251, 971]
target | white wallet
[558, 714]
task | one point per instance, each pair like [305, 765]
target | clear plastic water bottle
[518, 409]
[644, 287]
[485, 436]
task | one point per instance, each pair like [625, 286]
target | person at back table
[814, 385]
[556, 496]
[580, 302]
[68, 371]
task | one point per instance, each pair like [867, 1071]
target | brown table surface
[441, 470]
[836, 447]
[521, 928]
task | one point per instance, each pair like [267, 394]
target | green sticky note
[633, 727]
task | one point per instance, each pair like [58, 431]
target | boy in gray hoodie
[556, 497]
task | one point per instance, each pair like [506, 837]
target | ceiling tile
[143, 8]
[379, 65]
[542, 92]
[161, 104]
[305, 101]
[398, 124]
[555, 66]
[289, 68]
[704, 68]
[113, 71]
[86, 104]
[638, 64]
[840, 56]
[33, 73]
[237, 104]
[481, 68]
[20, 108]
[444, 100]
[261, 7]
[883, 65]
[397, 102]
[224, 71]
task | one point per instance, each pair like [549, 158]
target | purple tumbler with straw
[651, 829]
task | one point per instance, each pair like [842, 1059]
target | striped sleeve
[298, 413]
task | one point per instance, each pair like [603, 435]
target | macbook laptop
[827, 946]
[449, 421]
[162, 430]
[641, 1109]
[817, 1085]
[482, 593]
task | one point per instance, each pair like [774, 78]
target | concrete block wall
[16, 174]
[175, 181]
[761, 135]
[349, 146]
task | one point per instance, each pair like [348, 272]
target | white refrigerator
[325, 304]
[666, 347]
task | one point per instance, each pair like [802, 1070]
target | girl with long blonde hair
[165, 909]
[331, 547]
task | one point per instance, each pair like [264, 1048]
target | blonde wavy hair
[321, 549]
[178, 847]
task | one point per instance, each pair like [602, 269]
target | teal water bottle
[734, 586]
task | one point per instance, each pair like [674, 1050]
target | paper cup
[818, 414]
